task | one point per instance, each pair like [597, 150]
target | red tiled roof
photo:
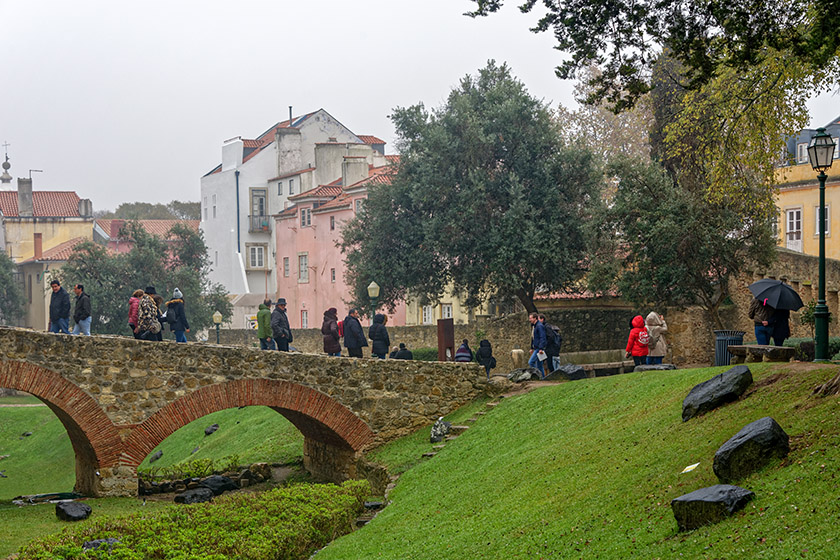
[322, 191]
[44, 204]
[159, 228]
[288, 212]
[60, 252]
[292, 174]
[393, 158]
[341, 201]
[378, 176]
[368, 139]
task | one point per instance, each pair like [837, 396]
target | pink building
[310, 266]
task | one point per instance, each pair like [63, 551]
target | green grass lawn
[588, 469]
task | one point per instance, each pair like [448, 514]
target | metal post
[821, 310]
[217, 333]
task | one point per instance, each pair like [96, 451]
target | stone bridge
[119, 398]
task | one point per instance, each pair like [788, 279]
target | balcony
[259, 224]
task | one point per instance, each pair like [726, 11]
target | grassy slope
[588, 469]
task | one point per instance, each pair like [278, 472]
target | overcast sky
[131, 101]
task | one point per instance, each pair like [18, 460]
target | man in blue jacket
[538, 343]
[59, 309]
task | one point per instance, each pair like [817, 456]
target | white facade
[252, 184]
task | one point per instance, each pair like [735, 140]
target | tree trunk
[526, 300]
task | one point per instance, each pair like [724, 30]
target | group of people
[147, 313]
[646, 343]
[60, 310]
[546, 341]
[769, 322]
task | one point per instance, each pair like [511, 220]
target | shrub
[194, 468]
[425, 354]
[805, 350]
[283, 523]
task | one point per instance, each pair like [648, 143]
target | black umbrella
[778, 294]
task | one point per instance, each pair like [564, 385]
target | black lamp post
[821, 154]
[217, 319]
[373, 294]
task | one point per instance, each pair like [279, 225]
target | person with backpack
[538, 342]
[176, 316]
[484, 356]
[637, 342]
[378, 334]
[148, 324]
[553, 341]
[657, 347]
[464, 353]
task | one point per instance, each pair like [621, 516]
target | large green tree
[11, 292]
[174, 210]
[624, 39]
[487, 199]
[110, 279]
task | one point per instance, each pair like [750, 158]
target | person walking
[280, 326]
[464, 352]
[133, 307]
[379, 336]
[657, 347]
[176, 316]
[329, 329]
[553, 341]
[354, 335]
[484, 356]
[81, 314]
[264, 326]
[538, 343]
[637, 342]
[403, 353]
[59, 309]
[762, 315]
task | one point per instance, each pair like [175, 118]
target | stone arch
[319, 417]
[96, 442]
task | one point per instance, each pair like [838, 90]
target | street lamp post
[373, 294]
[821, 154]
[217, 319]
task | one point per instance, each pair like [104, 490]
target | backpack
[644, 337]
[653, 340]
[340, 329]
[147, 317]
[553, 337]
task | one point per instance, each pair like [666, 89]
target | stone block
[72, 511]
[195, 496]
[655, 367]
[708, 505]
[218, 484]
[517, 357]
[570, 372]
[750, 449]
[717, 391]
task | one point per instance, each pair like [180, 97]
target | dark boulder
[718, 390]
[195, 496]
[524, 374]
[210, 429]
[100, 543]
[374, 505]
[571, 372]
[72, 511]
[218, 484]
[156, 456]
[750, 449]
[440, 430]
[655, 367]
[708, 505]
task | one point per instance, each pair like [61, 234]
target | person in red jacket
[637, 342]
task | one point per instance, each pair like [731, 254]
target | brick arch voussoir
[81, 415]
[315, 414]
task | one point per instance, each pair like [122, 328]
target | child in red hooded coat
[637, 342]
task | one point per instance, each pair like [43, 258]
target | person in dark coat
[781, 326]
[176, 316]
[329, 329]
[538, 343]
[464, 353]
[59, 309]
[354, 335]
[81, 315]
[280, 326]
[484, 356]
[379, 335]
[403, 353]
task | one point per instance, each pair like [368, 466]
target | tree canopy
[11, 292]
[624, 39]
[487, 200]
[110, 279]
[174, 210]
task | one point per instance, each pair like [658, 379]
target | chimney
[85, 208]
[25, 208]
[39, 247]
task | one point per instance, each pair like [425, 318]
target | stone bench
[608, 368]
[760, 352]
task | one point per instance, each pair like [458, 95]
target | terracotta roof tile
[160, 228]
[368, 139]
[322, 191]
[288, 212]
[341, 201]
[60, 252]
[45, 204]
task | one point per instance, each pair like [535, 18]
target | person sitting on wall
[404, 353]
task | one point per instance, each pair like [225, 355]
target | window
[303, 268]
[332, 275]
[332, 223]
[291, 186]
[827, 220]
[305, 217]
[280, 188]
[214, 205]
[304, 319]
[256, 256]
[446, 311]
[259, 210]
[836, 147]
[428, 314]
[802, 153]
[793, 233]
[286, 267]
[205, 208]
[359, 205]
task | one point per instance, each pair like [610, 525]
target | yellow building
[799, 198]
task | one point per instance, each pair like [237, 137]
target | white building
[254, 182]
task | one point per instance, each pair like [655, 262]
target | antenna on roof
[31, 171]
[290, 115]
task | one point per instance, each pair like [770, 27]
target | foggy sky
[132, 101]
